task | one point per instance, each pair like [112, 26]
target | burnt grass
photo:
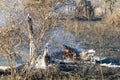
[72, 71]
[77, 71]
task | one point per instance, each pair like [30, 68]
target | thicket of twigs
[99, 36]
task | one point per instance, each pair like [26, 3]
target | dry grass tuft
[113, 19]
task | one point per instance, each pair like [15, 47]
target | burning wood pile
[71, 54]
[84, 10]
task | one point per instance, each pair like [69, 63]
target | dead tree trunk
[31, 38]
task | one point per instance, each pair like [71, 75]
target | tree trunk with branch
[31, 38]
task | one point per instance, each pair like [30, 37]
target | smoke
[59, 36]
[11, 10]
